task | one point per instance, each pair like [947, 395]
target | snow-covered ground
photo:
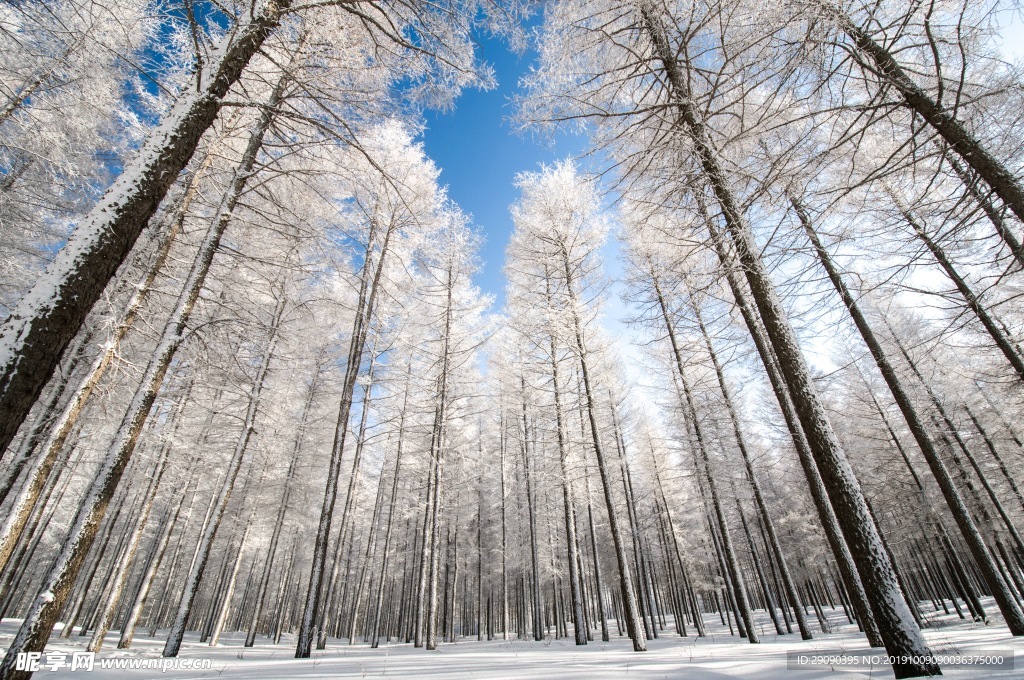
[718, 656]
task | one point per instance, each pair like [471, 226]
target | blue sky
[479, 156]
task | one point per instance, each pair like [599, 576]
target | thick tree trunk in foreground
[56, 587]
[826, 514]
[48, 317]
[986, 562]
[65, 423]
[903, 639]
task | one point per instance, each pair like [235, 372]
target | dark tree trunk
[44, 322]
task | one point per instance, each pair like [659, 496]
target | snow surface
[716, 657]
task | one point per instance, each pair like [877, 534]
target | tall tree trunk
[768, 600]
[149, 574]
[48, 317]
[282, 508]
[632, 613]
[35, 629]
[729, 554]
[438, 448]
[370, 282]
[816, 486]
[762, 506]
[325, 617]
[538, 624]
[504, 536]
[1011, 610]
[119, 577]
[575, 589]
[209, 534]
[903, 639]
[375, 629]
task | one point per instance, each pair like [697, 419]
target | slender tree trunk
[504, 534]
[370, 282]
[762, 506]
[119, 577]
[438, 447]
[209, 534]
[538, 623]
[729, 555]
[159, 550]
[768, 603]
[220, 615]
[261, 591]
[576, 593]
[984, 200]
[327, 614]
[1005, 345]
[816, 486]
[632, 614]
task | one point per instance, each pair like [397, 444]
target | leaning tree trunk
[762, 506]
[36, 628]
[731, 563]
[903, 638]
[826, 513]
[325, 618]
[119, 577]
[48, 317]
[65, 423]
[883, 64]
[149, 573]
[220, 617]
[368, 290]
[261, 589]
[995, 216]
[1005, 345]
[984, 559]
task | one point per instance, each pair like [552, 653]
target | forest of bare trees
[248, 383]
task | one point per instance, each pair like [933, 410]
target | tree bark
[1011, 611]
[1003, 182]
[33, 338]
[631, 610]
[903, 639]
